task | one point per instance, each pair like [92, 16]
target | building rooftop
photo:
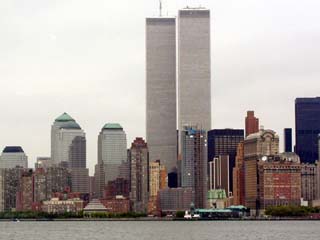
[112, 126]
[95, 206]
[13, 149]
[69, 125]
[65, 117]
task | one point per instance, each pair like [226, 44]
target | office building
[307, 117]
[194, 68]
[309, 182]
[318, 180]
[262, 144]
[161, 115]
[9, 185]
[279, 181]
[252, 123]
[63, 133]
[219, 173]
[223, 142]
[25, 192]
[238, 177]
[157, 180]
[194, 163]
[172, 200]
[117, 187]
[287, 140]
[117, 205]
[112, 152]
[43, 162]
[13, 156]
[139, 175]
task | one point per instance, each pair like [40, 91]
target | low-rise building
[55, 205]
[119, 204]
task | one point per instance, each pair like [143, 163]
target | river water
[162, 230]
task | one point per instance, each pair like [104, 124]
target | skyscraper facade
[225, 142]
[112, 153]
[309, 183]
[262, 144]
[307, 116]
[161, 120]
[219, 173]
[13, 156]
[63, 132]
[288, 140]
[238, 177]
[139, 175]
[158, 180]
[252, 123]
[194, 68]
[194, 163]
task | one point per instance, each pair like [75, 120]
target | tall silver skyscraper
[63, 132]
[161, 112]
[194, 64]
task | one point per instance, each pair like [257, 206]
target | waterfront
[280, 230]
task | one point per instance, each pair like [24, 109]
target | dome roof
[112, 126]
[65, 117]
[69, 125]
[13, 149]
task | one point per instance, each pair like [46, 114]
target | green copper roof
[112, 126]
[65, 117]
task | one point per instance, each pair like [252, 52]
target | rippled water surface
[290, 230]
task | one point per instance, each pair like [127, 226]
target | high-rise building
[13, 156]
[9, 185]
[139, 175]
[238, 177]
[78, 153]
[25, 192]
[223, 142]
[112, 153]
[252, 123]
[279, 181]
[287, 140]
[307, 117]
[318, 180]
[175, 199]
[309, 182]
[219, 173]
[262, 144]
[43, 162]
[77, 165]
[194, 163]
[157, 181]
[194, 68]
[79, 180]
[161, 120]
[63, 133]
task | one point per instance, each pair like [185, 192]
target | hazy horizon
[88, 59]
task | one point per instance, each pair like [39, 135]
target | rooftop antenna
[160, 8]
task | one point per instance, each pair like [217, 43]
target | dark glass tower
[288, 139]
[307, 114]
[225, 142]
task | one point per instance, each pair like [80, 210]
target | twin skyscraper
[178, 80]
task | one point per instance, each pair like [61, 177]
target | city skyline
[39, 87]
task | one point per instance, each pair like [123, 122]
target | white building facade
[13, 156]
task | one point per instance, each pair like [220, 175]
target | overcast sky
[87, 58]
